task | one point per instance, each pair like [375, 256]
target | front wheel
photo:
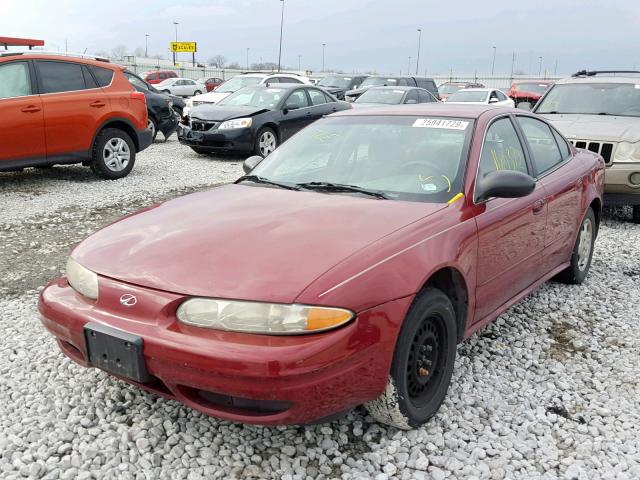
[582, 253]
[266, 142]
[113, 154]
[197, 92]
[422, 364]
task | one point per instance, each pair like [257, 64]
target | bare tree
[139, 52]
[218, 60]
[119, 52]
[234, 66]
[102, 53]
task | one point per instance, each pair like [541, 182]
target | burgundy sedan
[342, 270]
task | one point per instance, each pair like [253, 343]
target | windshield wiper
[266, 181]
[340, 187]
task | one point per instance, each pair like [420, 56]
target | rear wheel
[577, 271]
[422, 363]
[636, 214]
[151, 125]
[114, 154]
[197, 92]
[266, 142]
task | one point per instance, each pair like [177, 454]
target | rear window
[57, 77]
[103, 75]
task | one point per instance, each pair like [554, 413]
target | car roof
[258, 75]
[284, 86]
[399, 87]
[71, 57]
[434, 109]
[599, 79]
[478, 89]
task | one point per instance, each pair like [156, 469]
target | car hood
[211, 97]
[243, 242]
[597, 127]
[333, 90]
[220, 113]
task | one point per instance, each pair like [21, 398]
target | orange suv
[58, 109]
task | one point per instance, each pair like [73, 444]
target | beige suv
[600, 111]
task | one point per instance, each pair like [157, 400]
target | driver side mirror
[251, 163]
[504, 184]
[524, 106]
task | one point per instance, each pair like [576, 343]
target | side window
[317, 97]
[425, 97]
[328, 99]
[542, 143]
[272, 80]
[57, 77]
[297, 99]
[412, 97]
[135, 81]
[403, 82]
[565, 151]
[501, 149]
[162, 76]
[103, 75]
[501, 96]
[290, 80]
[88, 78]
[14, 80]
[152, 76]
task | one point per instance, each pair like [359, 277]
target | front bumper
[237, 139]
[239, 377]
[618, 187]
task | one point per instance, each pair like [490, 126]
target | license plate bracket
[116, 351]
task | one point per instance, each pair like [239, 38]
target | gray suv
[600, 111]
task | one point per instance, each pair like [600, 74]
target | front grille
[200, 126]
[604, 149]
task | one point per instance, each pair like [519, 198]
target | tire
[168, 92]
[197, 92]
[416, 388]
[153, 126]
[636, 214]
[582, 253]
[266, 142]
[113, 154]
[200, 150]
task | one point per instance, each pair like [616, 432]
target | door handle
[308, 114]
[97, 104]
[538, 206]
[30, 109]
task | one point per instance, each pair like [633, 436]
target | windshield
[237, 83]
[378, 82]
[468, 96]
[381, 95]
[405, 157]
[538, 88]
[258, 97]
[593, 99]
[333, 81]
[449, 89]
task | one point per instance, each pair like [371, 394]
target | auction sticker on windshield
[441, 123]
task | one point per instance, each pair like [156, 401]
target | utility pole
[281, 24]
[418, 57]
[146, 45]
[513, 61]
[409, 67]
[555, 68]
[493, 62]
[323, 45]
[540, 67]
[299, 62]
[175, 55]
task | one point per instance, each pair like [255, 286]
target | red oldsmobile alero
[342, 270]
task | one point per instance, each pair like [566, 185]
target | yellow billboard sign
[190, 47]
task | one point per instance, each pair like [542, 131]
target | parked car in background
[529, 92]
[240, 81]
[447, 88]
[394, 96]
[337, 85]
[182, 87]
[385, 81]
[364, 249]
[256, 119]
[64, 109]
[156, 76]
[160, 112]
[210, 83]
[600, 111]
[486, 96]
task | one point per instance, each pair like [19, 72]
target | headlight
[262, 318]
[236, 123]
[82, 280]
[627, 152]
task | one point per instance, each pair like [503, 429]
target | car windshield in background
[539, 88]
[332, 81]
[403, 157]
[254, 97]
[449, 89]
[378, 82]
[468, 96]
[237, 83]
[381, 95]
[593, 98]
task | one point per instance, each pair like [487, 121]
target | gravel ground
[550, 390]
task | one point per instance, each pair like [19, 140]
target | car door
[73, 107]
[510, 230]
[321, 104]
[22, 134]
[190, 87]
[562, 180]
[296, 113]
[425, 96]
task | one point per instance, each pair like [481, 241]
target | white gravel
[550, 390]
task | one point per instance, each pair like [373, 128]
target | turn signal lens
[260, 318]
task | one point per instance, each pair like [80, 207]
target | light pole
[513, 61]
[248, 58]
[493, 62]
[281, 24]
[540, 66]
[146, 45]
[175, 55]
[323, 45]
[299, 62]
[418, 57]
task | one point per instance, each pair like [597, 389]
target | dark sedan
[337, 85]
[256, 119]
[394, 96]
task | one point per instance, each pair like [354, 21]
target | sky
[360, 35]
